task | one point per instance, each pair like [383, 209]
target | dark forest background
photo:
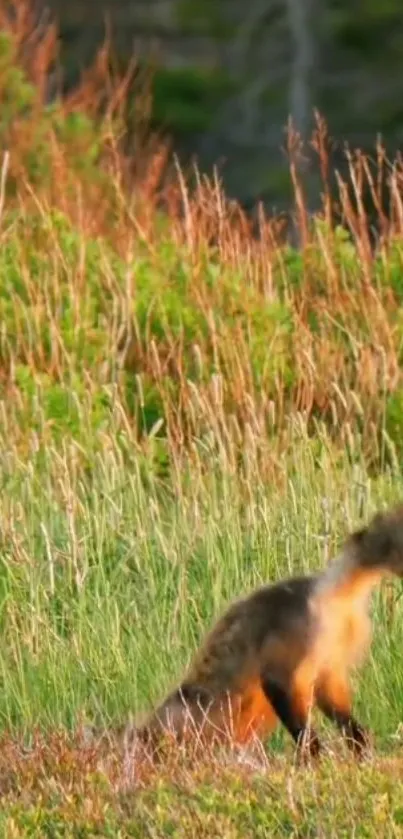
[228, 74]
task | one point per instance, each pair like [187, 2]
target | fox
[286, 647]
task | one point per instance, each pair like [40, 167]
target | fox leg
[292, 706]
[255, 716]
[334, 700]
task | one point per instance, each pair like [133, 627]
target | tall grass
[110, 577]
[187, 409]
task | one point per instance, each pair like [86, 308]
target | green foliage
[389, 271]
[204, 17]
[57, 306]
[41, 124]
[162, 305]
[76, 132]
[394, 420]
[38, 295]
[18, 96]
[59, 406]
[187, 100]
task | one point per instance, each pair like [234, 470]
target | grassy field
[186, 411]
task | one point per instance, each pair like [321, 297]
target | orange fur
[239, 718]
[345, 627]
[333, 688]
[303, 687]
[256, 716]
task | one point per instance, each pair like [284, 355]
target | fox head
[379, 545]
